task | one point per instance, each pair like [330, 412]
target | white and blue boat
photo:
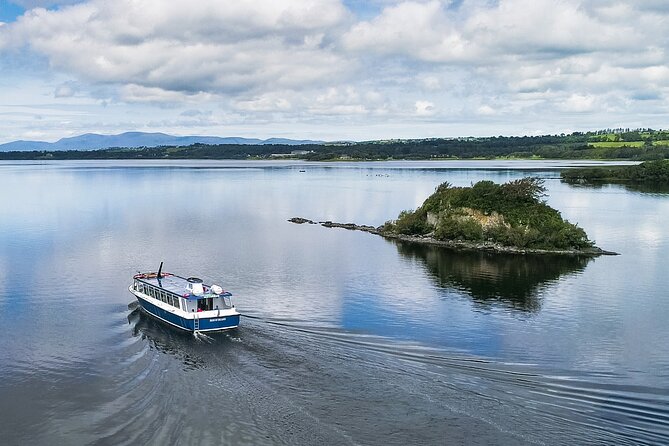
[186, 303]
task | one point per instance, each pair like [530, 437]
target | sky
[331, 69]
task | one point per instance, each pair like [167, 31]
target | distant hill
[92, 141]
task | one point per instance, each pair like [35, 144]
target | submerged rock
[300, 220]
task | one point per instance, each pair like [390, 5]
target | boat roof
[175, 284]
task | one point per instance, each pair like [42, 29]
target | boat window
[206, 304]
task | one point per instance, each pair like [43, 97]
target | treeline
[466, 148]
[195, 151]
[574, 146]
[650, 172]
[523, 147]
[627, 135]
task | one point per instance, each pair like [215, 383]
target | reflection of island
[190, 350]
[489, 278]
[644, 188]
[648, 177]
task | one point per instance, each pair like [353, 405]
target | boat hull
[218, 323]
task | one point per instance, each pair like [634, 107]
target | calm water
[348, 338]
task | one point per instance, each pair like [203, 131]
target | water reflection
[191, 350]
[645, 188]
[514, 281]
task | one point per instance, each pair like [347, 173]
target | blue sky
[331, 69]
[9, 11]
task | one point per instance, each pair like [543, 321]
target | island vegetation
[646, 173]
[614, 144]
[509, 214]
[511, 217]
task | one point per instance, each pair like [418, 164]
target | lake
[347, 338]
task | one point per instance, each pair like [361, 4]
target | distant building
[292, 153]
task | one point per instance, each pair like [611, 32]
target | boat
[185, 303]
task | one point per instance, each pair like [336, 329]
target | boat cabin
[189, 295]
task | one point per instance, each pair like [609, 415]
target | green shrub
[412, 223]
[453, 228]
[528, 221]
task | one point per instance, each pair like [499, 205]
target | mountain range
[93, 141]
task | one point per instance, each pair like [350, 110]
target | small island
[648, 173]
[510, 217]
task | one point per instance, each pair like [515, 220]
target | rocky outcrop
[300, 220]
[454, 244]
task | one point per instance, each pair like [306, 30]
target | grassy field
[618, 144]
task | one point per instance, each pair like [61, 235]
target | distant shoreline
[639, 145]
[619, 161]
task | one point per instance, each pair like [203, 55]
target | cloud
[578, 103]
[140, 94]
[428, 31]
[264, 103]
[430, 82]
[193, 113]
[386, 64]
[486, 110]
[187, 47]
[416, 30]
[424, 108]
[66, 90]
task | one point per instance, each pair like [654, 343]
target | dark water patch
[643, 188]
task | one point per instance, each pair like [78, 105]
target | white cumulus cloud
[424, 108]
[187, 46]
[391, 65]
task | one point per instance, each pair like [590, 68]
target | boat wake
[318, 373]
